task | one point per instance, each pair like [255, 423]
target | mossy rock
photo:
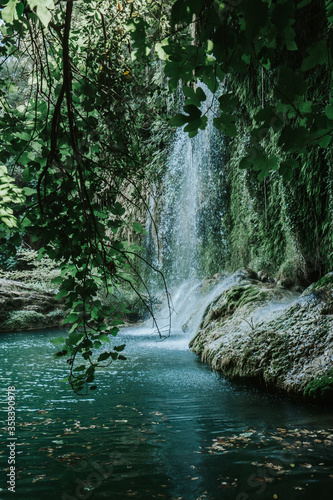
[321, 388]
[325, 282]
[24, 320]
[30, 320]
[239, 296]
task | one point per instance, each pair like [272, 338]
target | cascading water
[189, 215]
[190, 206]
[190, 241]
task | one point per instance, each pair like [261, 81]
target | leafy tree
[76, 132]
[74, 139]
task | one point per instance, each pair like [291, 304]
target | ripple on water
[164, 425]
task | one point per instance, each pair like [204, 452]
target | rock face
[24, 308]
[264, 332]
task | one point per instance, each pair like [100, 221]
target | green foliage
[14, 9]
[33, 269]
[283, 43]
[22, 320]
[73, 143]
[77, 129]
[325, 282]
[280, 226]
[321, 388]
[9, 194]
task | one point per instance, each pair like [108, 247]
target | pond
[160, 425]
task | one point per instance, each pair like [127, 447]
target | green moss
[280, 226]
[239, 296]
[325, 281]
[24, 320]
[56, 315]
[321, 388]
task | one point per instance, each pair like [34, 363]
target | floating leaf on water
[264, 479]
[38, 478]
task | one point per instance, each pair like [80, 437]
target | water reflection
[160, 425]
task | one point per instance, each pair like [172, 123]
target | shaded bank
[23, 307]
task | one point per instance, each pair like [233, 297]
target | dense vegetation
[84, 89]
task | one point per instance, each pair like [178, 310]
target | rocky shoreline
[23, 307]
[263, 332]
[254, 330]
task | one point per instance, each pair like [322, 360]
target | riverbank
[262, 332]
[23, 307]
[255, 329]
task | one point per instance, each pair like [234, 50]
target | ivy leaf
[228, 102]
[293, 139]
[178, 120]
[138, 228]
[193, 97]
[193, 111]
[9, 13]
[227, 124]
[245, 163]
[58, 341]
[119, 348]
[43, 10]
[104, 338]
[317, 55]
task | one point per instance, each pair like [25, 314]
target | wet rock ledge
[25, 308]
[263, 332]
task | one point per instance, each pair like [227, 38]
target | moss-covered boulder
[263, 332]
[22, 307]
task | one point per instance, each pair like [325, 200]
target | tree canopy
[78, 93]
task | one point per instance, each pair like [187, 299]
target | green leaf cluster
[280, 43]
[74, 140]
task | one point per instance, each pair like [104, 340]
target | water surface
[160, 425]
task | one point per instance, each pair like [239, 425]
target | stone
[263, 276]
[262, 331]
[247, 273]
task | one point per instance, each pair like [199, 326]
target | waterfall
[179, 220]
[191, 232]
[187, 240]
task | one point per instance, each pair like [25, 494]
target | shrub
[24, 320]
